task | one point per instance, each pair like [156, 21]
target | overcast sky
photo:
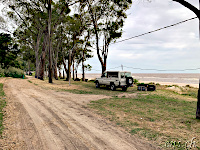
[175, 48]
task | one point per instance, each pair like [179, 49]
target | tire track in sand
[62, 121]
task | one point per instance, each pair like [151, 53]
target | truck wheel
[129, 81]
[112, 87]
[97, 85]
[124, 88]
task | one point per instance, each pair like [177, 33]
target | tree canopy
[58, 37]
[8, 51]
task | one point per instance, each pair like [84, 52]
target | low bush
[135, 81]
[2, 73]
[13, 72]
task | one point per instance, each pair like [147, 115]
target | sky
[173, 49]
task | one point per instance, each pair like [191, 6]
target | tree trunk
[43, 58]
[55, 66]
[49, 41]
[55, 72]
[36, 65]
[29, 68]
[42, 68]
[69, 67]
[83, 68]
[65, 67]
[63, 74]
[36, 49]
[103, 68]
[73, 70]
[96, 36]
[59, 73]
[198, 104]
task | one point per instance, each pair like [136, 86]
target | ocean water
[175, 78]
[187, 78]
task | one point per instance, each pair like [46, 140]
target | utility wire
[150, 33]
[154, 30]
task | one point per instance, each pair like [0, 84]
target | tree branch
[189, 6]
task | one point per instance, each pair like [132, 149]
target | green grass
[2, 105]
[30, 81]
[89, 88]
[150, 116]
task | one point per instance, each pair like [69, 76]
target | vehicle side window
[104, 75]
[113, 74]
[122, 75]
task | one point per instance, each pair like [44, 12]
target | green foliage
[88, 67]
[2, 72]
[135, 81]
[8, 51]
[14, 72]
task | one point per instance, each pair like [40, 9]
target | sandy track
[46, 119]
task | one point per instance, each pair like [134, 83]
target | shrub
[2, 73]
[14, 72]
[135, 81]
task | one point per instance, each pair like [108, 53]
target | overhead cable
[155, 30]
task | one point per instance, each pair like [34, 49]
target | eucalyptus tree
[8, 51]
[76, 28]
[82, 54]
[107, 20]
[30, 18]
[41, 18]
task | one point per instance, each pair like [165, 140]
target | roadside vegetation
[165, 116]
[2, 105]
[12, 72]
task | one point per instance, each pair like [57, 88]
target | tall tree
[49, 40]
[107, 19]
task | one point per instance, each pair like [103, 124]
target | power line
[155, 30]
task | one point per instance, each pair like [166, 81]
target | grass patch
[30, 81]
[2, 105]
[152, 116]
[81, 87]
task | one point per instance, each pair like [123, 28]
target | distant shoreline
[180, 79]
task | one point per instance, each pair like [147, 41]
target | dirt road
[37, 118]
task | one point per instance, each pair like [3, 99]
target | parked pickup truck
[115, 79]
